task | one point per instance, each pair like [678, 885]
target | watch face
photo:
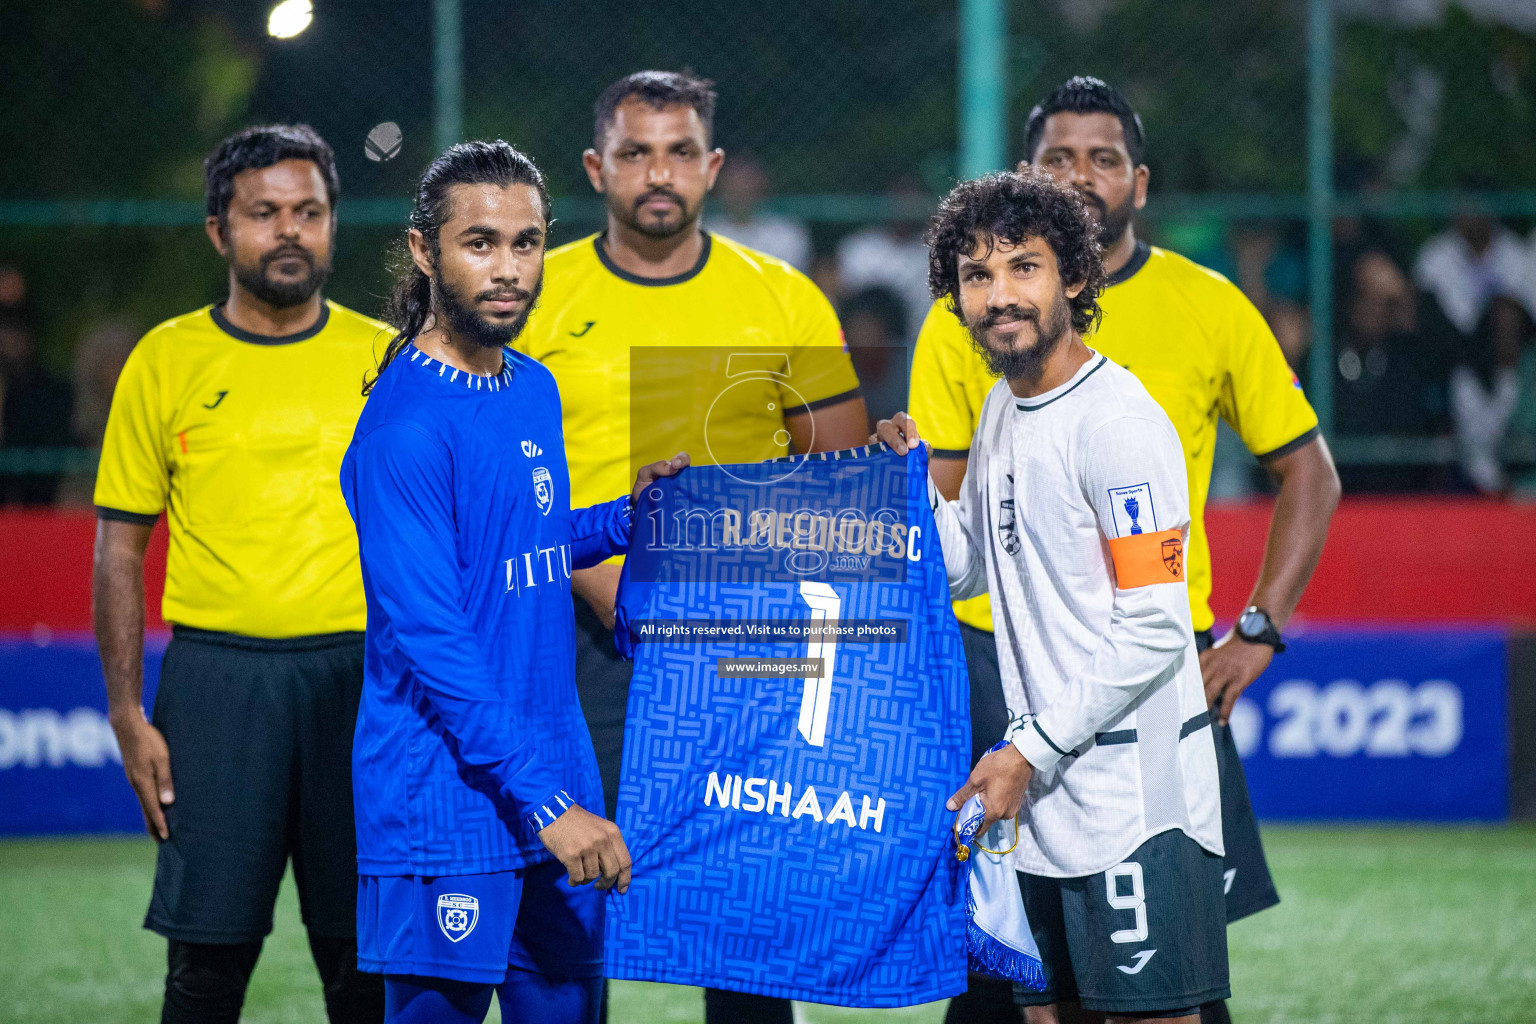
[1251, 624]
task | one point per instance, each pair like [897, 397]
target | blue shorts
[473, 927]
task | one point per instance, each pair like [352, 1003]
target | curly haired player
[1074, 515]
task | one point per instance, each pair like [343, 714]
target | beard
[283, 294]
[464, 322]
[1112, 222]
[669, 226]
[1022, 363]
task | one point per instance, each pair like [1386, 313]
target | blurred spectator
[36, 409]
[1528, 291]
[824, 273]
[874, 326]
[1391, 373]
[1235, 473]
[892, 256]
[99, 360]
[1262, 261]
[13, 288]
[735, 204]
[1479, 274]
[1272, 273]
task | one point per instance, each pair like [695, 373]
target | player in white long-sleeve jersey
[1074, 515]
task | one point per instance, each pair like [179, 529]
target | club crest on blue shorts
[457, 914]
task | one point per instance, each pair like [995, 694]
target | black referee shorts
[1245, 876]
[989, 708]
[260, 734]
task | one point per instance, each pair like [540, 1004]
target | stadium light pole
[983, 86]
[1320, 206]
[447, 72]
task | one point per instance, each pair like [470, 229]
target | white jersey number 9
[1135, 900]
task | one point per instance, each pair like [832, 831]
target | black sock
[351, 996]
[723, 1007]
[205, 982]
[1215, 1013]
[986, 1000]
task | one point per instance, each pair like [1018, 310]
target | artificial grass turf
[1385, 924]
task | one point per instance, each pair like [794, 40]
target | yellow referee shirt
[707, 362]
[1193, 340]
[239, 439]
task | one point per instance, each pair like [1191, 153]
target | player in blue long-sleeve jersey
[472, 765]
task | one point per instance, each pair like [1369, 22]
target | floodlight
[289, 18]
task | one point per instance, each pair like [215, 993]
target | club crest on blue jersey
[1133, 510]
[543, 489]
[457, 915]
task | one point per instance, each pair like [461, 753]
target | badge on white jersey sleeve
[1133, 509]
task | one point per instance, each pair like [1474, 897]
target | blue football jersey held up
[798, 716]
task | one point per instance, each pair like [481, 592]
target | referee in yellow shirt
[233, 421]
[1202, 350]
[665, 338]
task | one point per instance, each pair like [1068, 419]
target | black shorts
[260, 734]
[1147, 936]
[989, 708]
[1248, 885]
[602, 683]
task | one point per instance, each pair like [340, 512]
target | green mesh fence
[851, 108]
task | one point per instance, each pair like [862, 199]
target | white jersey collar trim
[464, 378]
[1085, 371]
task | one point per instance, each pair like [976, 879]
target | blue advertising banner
[1380, 724]
[1349, 723]
[60, 770]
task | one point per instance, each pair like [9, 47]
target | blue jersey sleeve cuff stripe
[623, 509]
[544, 815]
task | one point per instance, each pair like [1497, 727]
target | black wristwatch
[1256, 627]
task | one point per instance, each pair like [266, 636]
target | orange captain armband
[1143, 559]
